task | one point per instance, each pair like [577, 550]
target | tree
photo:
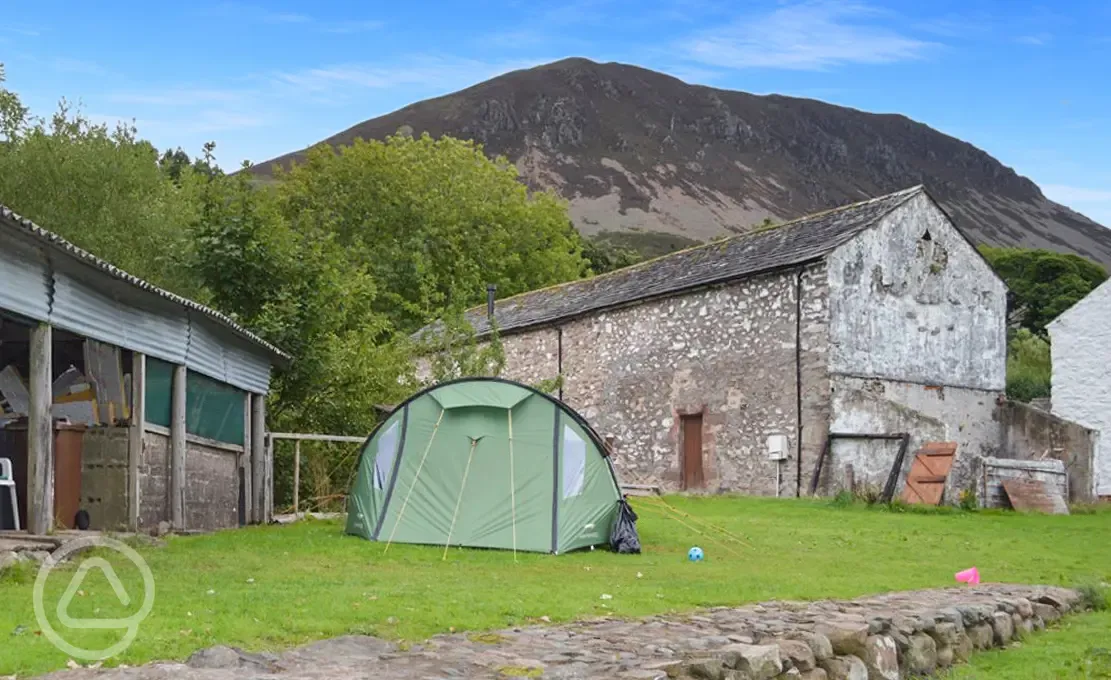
[452, 350]
[13, 114]
[1028, 366]
[603, 256]
[433, 221]
[1043, 283]
[304, 294]
[101, 189]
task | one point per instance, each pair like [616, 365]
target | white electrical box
[777, 447]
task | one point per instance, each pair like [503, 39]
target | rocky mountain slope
[635, 150]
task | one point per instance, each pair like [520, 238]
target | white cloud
[348, 27]
[259, 14]
[178, 96]
[1066, 194]
[1093, 202]
[427, 71]
[813, 35]
[16, 29]
[1037, 40]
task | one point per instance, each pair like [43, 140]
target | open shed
[124, 405]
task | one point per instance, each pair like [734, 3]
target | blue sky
[1028, 82]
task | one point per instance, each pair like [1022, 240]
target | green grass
[1079, 648]
[274, 587]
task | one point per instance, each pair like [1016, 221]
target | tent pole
[459, 500]
[512, 486]
[414, 482]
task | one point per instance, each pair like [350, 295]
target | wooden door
[929, 473]
[691, 477]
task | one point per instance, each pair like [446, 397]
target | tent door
[691, 477]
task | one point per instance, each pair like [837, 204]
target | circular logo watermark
[130, 624]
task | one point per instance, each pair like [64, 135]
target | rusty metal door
[691, 477]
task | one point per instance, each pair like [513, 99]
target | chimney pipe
[491, 292]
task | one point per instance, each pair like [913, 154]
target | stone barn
[726, 367]
[1082, 374]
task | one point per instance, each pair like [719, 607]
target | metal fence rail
[336, 465]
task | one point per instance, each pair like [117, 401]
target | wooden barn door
[691, 435]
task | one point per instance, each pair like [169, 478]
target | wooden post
[258, 455]
[296, 477]
[40, 433]
[246, 460]
[268, 487]
[177, 448]
[135, 436]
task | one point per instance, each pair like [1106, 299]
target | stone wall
[884, 637]
[727, 353]
[211, 484]
[927, 413]
[1030, 433]
[912, 300]
[104, 459]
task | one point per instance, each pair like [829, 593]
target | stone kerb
[883, 638]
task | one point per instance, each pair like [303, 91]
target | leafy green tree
[101, 189]
[175, 163]
[433, 220]
[13, 114]
[605, 256]
[1043, 283]
[452, 350]
[303, 293]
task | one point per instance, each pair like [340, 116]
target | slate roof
[806, 239]
[59, 244]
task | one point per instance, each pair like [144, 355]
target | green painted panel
[160, 378]
[213, 409]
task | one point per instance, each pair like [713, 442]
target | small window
[574, 463]
[927, 236]
[383, 462]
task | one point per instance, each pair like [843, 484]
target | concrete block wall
[211, 484]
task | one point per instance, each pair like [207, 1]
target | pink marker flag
[969, 576]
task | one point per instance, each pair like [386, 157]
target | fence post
[296, 477]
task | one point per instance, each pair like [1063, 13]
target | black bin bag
[623, 535]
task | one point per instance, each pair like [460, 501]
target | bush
[1028, 367]
[1094, 597]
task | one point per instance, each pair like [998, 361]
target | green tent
[487, 463]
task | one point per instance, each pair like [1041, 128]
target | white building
[1081, 339]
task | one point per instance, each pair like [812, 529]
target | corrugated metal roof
[61, 245]
[803, 240]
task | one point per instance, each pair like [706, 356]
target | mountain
[639, 151]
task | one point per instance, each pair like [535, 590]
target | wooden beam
[40, 433]
[177, 448]
[317, 437]
[268, 487]
[135, 436]
[296, 477]
[246, 461]
[258, 456]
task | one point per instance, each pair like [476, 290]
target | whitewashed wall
[1081, 340]
[921, 311]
